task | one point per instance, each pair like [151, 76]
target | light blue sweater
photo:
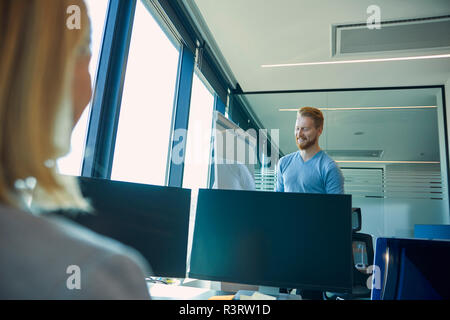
[320, 174]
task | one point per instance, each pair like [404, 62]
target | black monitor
[289, 240]
[411, 269]
[154, 220]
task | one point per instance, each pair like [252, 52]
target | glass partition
[389, 144]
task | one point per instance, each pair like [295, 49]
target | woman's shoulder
[42, 250]
[52, 229]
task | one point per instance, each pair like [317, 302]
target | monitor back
[154, 220]
[432, 231]
[411, 269]
[273, 239]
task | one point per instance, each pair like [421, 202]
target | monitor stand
[273, 291]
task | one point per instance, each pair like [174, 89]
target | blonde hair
[313, 113]
[38, 52]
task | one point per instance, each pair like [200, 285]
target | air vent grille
[408, 34]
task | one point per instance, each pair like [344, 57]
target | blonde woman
[44, 87]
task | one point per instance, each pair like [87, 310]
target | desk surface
[176, 292]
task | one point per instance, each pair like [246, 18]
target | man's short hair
[313, 113]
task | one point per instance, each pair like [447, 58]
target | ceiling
[246, 34]
[249, 33]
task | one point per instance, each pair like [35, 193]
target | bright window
[198, 144]
[143, 135]
[71, 163]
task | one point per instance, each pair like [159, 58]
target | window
[196, 165]
[143, 134]
[71, 163]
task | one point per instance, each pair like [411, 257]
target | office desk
[176, 292]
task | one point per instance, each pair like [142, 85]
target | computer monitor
[154, 220]
[411, 269]
[289, 240]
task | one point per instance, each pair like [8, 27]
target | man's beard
[305, 144]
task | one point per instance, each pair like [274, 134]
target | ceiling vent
[355, 153]
[410, 34]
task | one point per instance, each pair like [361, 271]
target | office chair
[363, 256]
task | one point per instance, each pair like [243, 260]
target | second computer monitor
[273, 239]
[154, 220]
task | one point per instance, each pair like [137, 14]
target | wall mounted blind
[265, 179]
[395, 181]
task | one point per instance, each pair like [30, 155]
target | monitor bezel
[281, 284]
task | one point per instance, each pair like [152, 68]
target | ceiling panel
[252, 33]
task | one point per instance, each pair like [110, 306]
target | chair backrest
[356, 219]
[362, 257]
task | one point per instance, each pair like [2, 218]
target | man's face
[306, 133]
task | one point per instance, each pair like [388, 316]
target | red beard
[305, 143]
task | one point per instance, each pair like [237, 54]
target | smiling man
[310, 169]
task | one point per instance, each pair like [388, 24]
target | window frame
[105, 110]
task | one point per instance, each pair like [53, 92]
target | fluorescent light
[362, 108]
[415, 162]
[436, 56]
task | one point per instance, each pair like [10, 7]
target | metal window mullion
[219, 106]
[182, 102]
[104, 117]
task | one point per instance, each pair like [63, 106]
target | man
[309, 170]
